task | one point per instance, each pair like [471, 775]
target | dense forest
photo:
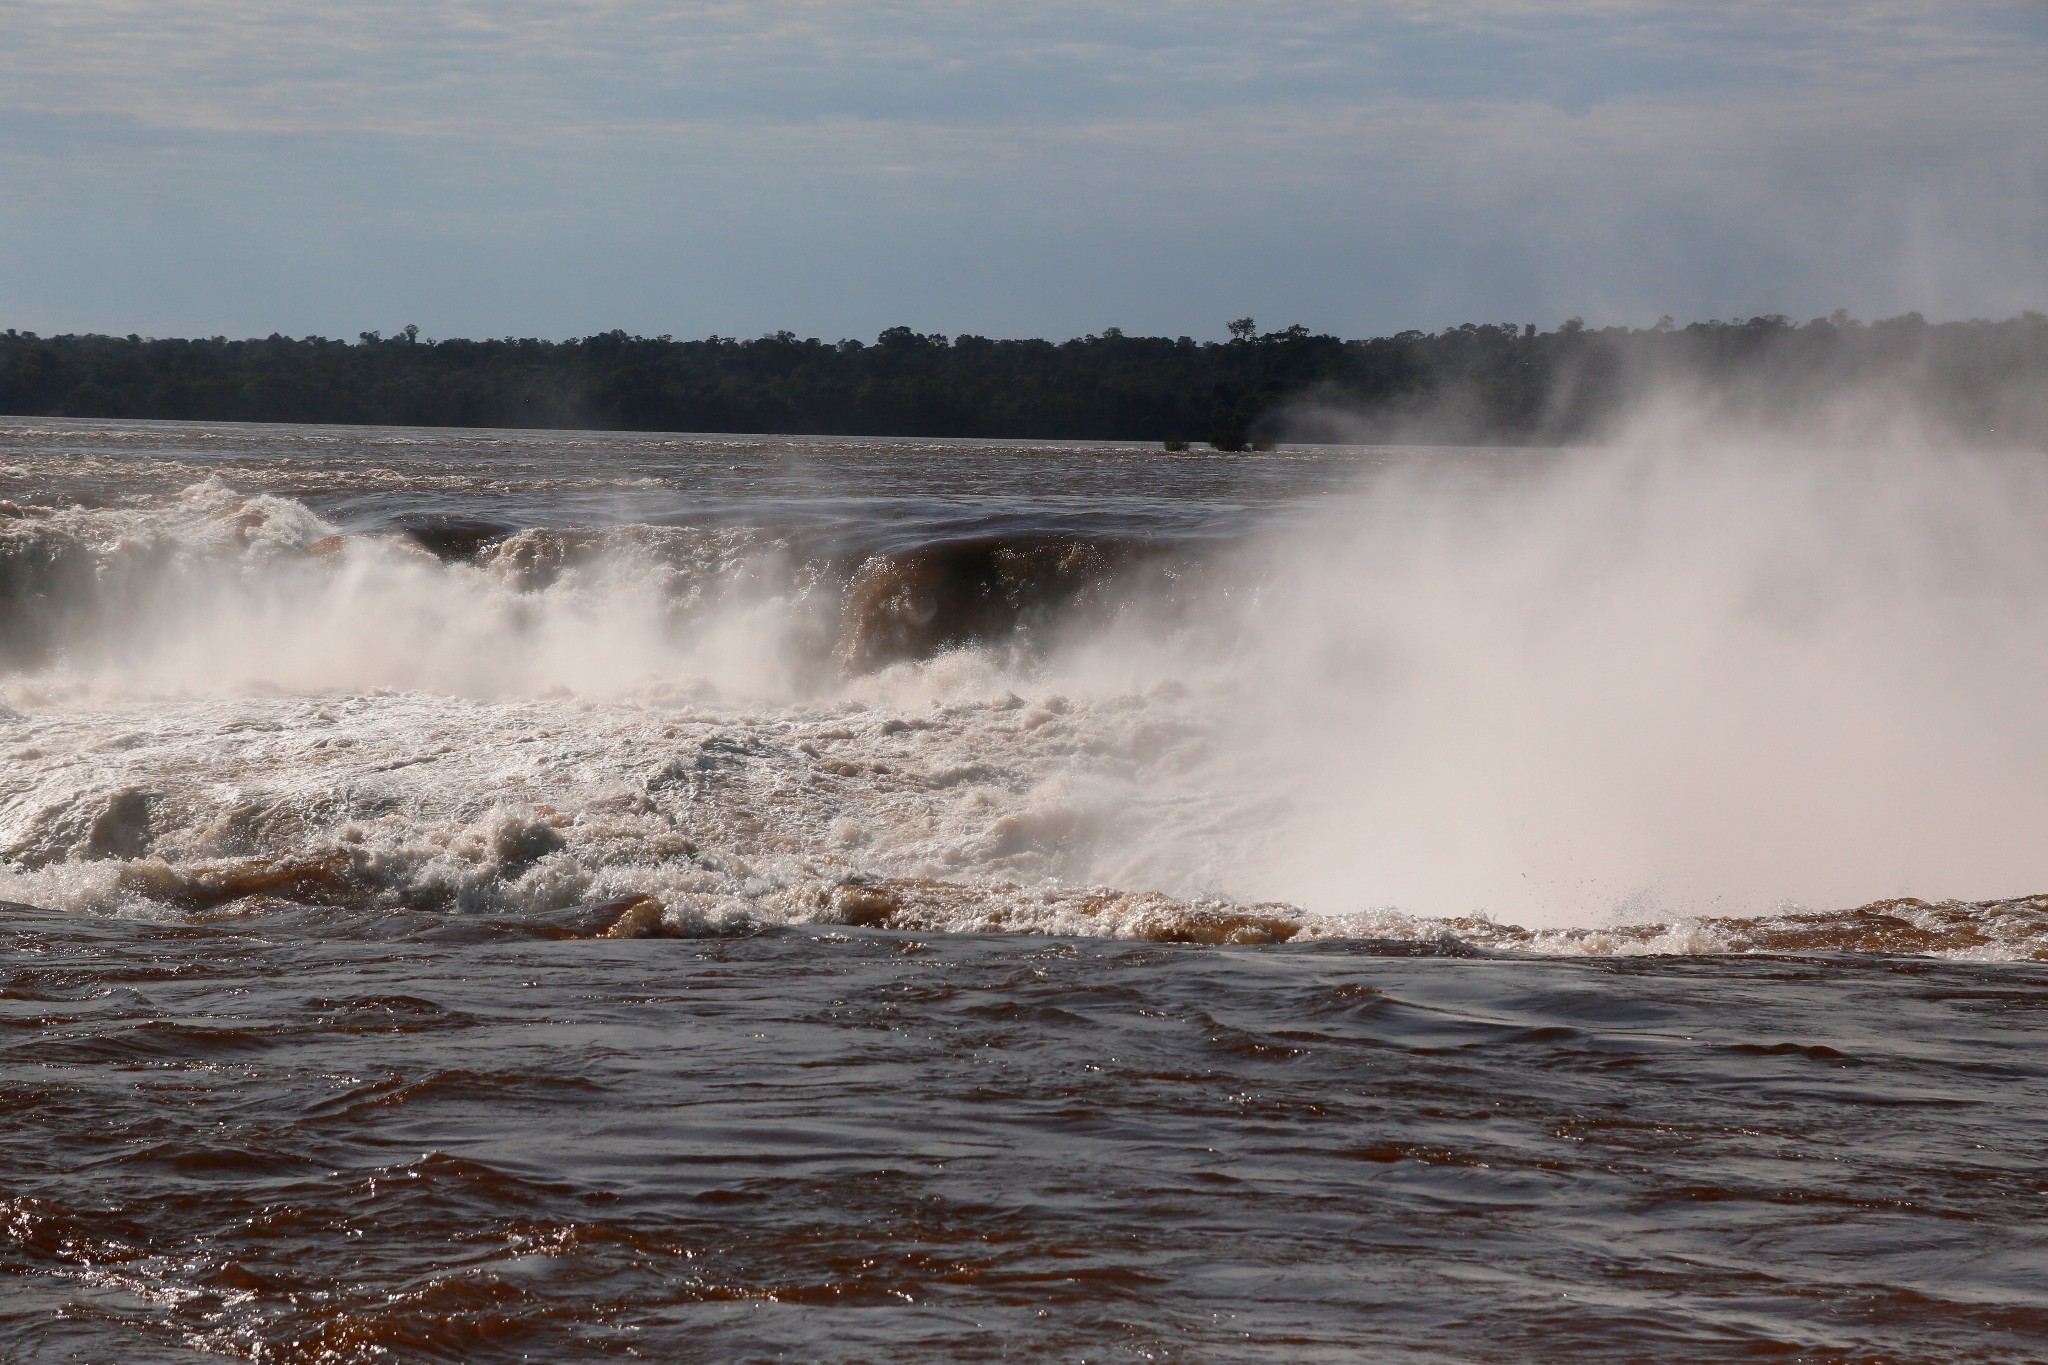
[1493, 383]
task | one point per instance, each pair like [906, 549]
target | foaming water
[1686, 679]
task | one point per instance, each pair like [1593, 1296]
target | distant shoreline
[1498, 384]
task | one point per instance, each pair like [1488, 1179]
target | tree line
[1494, 383]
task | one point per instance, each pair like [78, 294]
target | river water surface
[555, 896]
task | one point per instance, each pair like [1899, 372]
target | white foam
[1677, 683]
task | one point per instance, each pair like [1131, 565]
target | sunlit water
[546, 896]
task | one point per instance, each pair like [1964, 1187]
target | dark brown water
[272, 1140]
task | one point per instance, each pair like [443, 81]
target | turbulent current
[546, 896]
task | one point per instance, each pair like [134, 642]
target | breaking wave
[214, 589]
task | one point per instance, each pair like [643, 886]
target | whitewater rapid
[1503, 703]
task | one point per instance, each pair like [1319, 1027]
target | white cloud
[514, 65]
[824, 164]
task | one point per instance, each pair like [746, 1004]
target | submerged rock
[630, 917]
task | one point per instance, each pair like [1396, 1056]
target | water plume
[1695, 672]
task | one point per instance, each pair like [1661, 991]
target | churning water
[544, 896]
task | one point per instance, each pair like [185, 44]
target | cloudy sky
[834, 167]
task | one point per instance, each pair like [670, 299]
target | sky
[835, 167]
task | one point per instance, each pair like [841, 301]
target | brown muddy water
[283, 1138]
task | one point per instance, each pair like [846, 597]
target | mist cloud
[1703, 671]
